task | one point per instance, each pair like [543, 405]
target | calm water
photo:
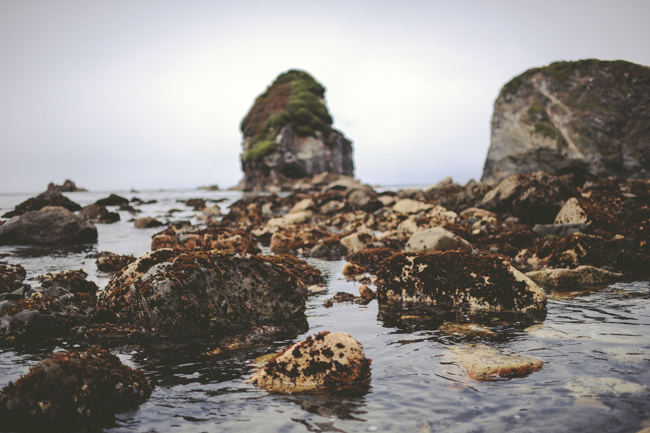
[595, 345]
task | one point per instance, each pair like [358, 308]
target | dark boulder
[48, 226]
[73, 281]
[98, 214]
[458, 279]
[48, 198]
[72, 386]
[204, 291]
[112, 200]
[11, 278]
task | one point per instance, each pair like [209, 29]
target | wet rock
[71, 386]
[466, 329]
[111, 262]
[475, 212]
[48, 226]
[11, 278]
[112, 200]
[488, 363]
[292, 240]
[580, 211]
[436, 239]
[358, 240]
[567, 252]
[580, 276]
[258, 336]
[204, 291]
[351, 270]
[42, 318]
[147, 222]
[48, 198]
[604, 386]
[559, 230]
[534, 198]
[191, 238]
[459, 279]
[328, 249]
[73, 281]
[98, 214]
[326, 361]
[300, 269]
[107, 334]
[371, 258]
[366, 292]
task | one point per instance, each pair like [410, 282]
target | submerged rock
[48, 226]
[71, 386]
[486, 363]
[327, 361]
[580, 276]
[199, 292]
[459, 279]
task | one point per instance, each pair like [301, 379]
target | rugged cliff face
[288, 136]
[588, 117]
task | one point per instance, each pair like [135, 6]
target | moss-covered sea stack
[288, 136]
[589, 117]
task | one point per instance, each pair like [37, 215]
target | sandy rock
[459, 279]
[468, 329]
[211, 211]
[325, 361]
[302, 205]
[299, 217]
[582, 275]
[366, 292]
[204, 291]
[357, 241]
[48, 226]
[436, 239]
[332, 207]
[147, 222]
[72, 386]
[486, 363]
[408, 206]
[580, 211]
[351, 270]
[328, 249]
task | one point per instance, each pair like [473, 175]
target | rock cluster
[51, 225]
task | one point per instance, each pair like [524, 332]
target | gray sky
[149, 94]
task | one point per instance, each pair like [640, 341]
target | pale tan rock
[603, 386]
[440, 215]
[147, 222]
[387, 200]
[582, 275]
[351, 270]
[436, 239]
[475, 212]
[444, 182]
[302, 205]
[485, 363]
[469, 329]
[211, 211]
[338, 354]
[580, 211]
[366, 292]
[289, 219]
[357, 241]
[408, 206]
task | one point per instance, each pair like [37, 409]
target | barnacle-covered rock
[326, 361]
[72, 386]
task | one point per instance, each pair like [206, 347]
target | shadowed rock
[48, 226]
[48, 198]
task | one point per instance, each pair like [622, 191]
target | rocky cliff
[589, 117]
[288, 136]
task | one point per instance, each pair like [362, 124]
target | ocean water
[595, 345]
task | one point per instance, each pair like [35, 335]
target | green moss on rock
[296, 98]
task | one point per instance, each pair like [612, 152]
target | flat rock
[458, 279]
[582, 275]
[408, 206]
[436, 239]
[72, 386]
[204, 291]
[488, 363]
[48, 226]
[326, 361]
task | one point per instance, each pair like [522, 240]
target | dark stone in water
[112, 200]
[48, 198]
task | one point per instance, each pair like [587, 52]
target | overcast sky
[149, 94]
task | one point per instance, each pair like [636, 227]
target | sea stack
[288, 138]
[590, 118]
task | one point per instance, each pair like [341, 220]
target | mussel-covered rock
[302, 270]
[52, 225]
[459, 279]
[326, 361]
[192, 238]
[72, 386]
[172, 294]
